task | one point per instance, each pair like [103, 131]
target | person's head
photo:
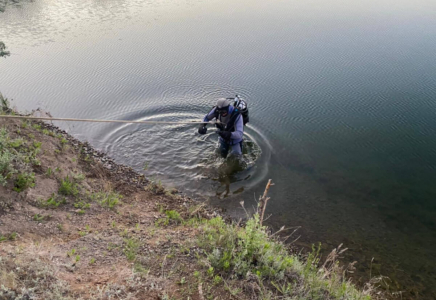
[222, 106]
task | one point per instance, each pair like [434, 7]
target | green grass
[38, 217]
[11, 237]
[170, 216]
[38, 127]
[6, 157]
[131, 247]
[17, 143]
[68, 187]
[53, 202]
[82, 205]
[107, 199]
[24, 181]
[71, 252]
[235, 252]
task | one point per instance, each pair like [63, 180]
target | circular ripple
[177, 155]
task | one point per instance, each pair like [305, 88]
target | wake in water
[226, 171]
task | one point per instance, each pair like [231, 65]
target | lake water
[341, 96]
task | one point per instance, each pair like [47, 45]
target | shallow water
[341, 98]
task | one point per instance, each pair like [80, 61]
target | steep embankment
[75, 225]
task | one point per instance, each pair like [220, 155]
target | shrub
[244, 250]
[131, 247]
[4, 103]
[107, 199]
[6, 157]
[53, 202]
[234, 252]
[68, 187]
[24, 181]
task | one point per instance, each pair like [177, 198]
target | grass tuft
[68, 187]
[107, 199]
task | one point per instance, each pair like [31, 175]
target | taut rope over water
[100, 121]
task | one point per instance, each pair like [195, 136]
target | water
[341, 98]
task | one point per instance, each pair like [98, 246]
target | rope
[100, 121]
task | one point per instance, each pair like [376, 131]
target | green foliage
[244, 250]
[92, 261]
[71, 252]
[131, 247]
[4, 103]
[68, 187]
[25, 123]
[38, 217]
[53, 202]
[79, 176]
[64, 141]
[37, 145]
[24, 181]
[36, 126]
[171, 215]
[17, 143]
[217, 279]
[82, 205]
[11, 237]
[174, 216]
[182, 281]
[107, 199]
[6, 157]
[235, 252]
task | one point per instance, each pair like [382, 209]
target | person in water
[230, 128]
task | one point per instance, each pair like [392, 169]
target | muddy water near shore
[341, 98]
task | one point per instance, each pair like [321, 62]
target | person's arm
[203, 127]
[239, 129]
[209, 116]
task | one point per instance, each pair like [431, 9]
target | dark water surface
[342, 98]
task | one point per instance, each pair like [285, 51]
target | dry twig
[263, 201]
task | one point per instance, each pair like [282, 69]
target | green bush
[131, 247]
[245, 250]
[6, 157]
[234, 252]
[53, 202]
[68, 187]
[107, 199]
[4, 103]
[24, 181]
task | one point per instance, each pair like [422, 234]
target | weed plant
[131, 247]
[170, 215]
[53, 202]
[6, 157]
[107, 199]
[24, 181]
[235, 252]
[68, 187]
